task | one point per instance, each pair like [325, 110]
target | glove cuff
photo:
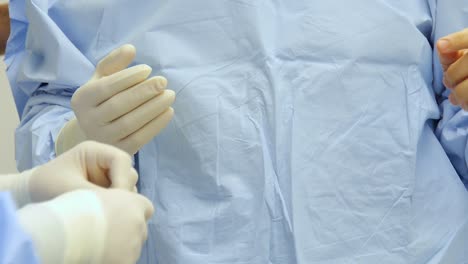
[46, 231]
[69, 136]
[18, 186]
[84, 223]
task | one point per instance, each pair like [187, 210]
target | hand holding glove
[83, 167]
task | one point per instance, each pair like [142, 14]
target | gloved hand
[88, 164]
[119, 105]
[100, 226]
[453, 53]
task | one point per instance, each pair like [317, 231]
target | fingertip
[171, 95]
[115, 61]
[129, 49]
[142, 69]
[127, 52]
[443, 45]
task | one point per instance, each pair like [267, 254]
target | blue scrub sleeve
[42, 90]
[15, 244]
[43, 118]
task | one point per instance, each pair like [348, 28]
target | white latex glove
[100, 226]
[119, 105]
[83, 167]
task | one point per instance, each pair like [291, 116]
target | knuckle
[133, 177]
[76, 100]
[125, 157]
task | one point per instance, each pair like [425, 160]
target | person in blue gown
[305, 131]
[60, 213]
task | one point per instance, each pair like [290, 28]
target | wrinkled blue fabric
[15, 245]
[305, 131]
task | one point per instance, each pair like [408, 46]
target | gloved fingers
[122, 174]
[457, 72]
[47, 183]
[135, 141]
[83, 159]
[125, 181]
[142, 115]
[461, 94]
[127, 100]
[453, 42]
[115, 61]
[108, 166]
[96, 92]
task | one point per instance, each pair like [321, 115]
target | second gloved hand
[86, 166]
[83, 167]
[100, 226]
[119, 105]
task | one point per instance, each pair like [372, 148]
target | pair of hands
[120, 106]
[96, 167]
[453, 54]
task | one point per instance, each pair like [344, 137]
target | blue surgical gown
[306, 131]
[16, 246]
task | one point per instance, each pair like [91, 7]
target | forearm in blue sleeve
[43, 118]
